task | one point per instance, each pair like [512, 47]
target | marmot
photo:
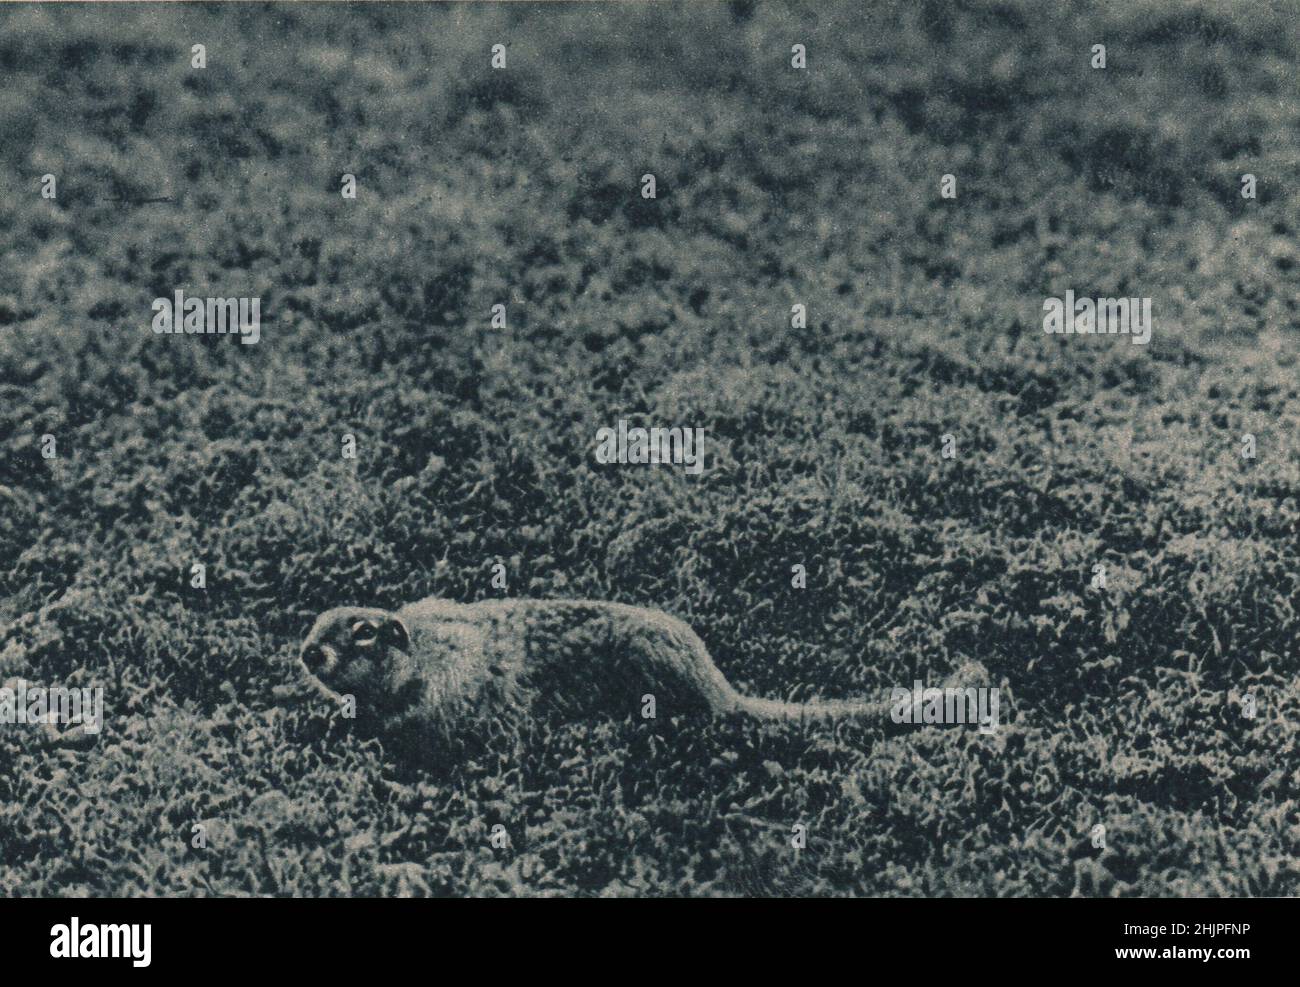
[434, 664]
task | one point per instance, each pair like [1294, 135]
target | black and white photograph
[744, 449]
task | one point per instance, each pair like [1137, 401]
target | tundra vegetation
[1074, 513]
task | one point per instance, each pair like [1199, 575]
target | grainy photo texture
[704, 449]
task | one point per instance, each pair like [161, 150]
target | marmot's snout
[318, 659]
[346, 646]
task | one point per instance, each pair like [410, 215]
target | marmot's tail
[708, 681]
[774, 709]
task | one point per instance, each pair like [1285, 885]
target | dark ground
[477, 186]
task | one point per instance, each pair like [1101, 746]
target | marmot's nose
[313, 657]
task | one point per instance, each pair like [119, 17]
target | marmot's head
[351, 650]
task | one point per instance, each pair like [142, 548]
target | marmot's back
[582, 657]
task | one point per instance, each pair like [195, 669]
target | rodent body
[434, 664]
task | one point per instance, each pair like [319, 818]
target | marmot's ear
[395, 634]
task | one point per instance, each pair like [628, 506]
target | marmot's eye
[364, 632]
